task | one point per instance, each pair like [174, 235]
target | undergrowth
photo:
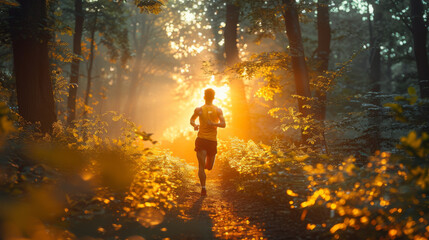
[78, 174]
[383, 197]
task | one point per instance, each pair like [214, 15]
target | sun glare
[187, 16]
[221, 94]
[181, 125]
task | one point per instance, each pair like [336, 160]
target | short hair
[209, 94]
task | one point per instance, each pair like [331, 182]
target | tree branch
[401, 16]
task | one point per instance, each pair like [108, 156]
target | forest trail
[214, 216]
[223, 214]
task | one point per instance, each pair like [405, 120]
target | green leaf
[412, 100]
[400, 98]
[394, 106]
[412, 91]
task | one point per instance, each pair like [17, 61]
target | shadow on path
[192, 223]
[200, 225]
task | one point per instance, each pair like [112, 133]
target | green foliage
[108, 19]
[149, 6]
[275, 70]
[261, 170]
[9, 3]
[398, 108]
[6, 125]
[385, 198]
[372, 201]
[81, 173]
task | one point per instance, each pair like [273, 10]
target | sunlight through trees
[326, 131]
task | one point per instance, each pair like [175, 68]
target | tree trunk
[420, 36]
[323, 50]
[140, 43]
[31, 62]
[118, 90]
[322, 56]
[240, 111]
[91, 61]
[374, 78]
[299, 66]
[74, 73]
[218, 50]
[134, 85]
[230, 34]
[389, 64]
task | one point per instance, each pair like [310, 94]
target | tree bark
[322, 56]
[375, 29]
[230, 34]
[119, 83]
[218, 50]
[31, 62]
[77, 51]
[299, 66]
[389, 64]
[419, 32]
[240, 111]
[91, 61]
[323, 50]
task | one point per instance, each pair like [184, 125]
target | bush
[79, 173]
[386, 198]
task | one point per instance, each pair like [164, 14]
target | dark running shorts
[204, 144]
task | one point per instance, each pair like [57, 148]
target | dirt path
[214, 217]
[226, 215]
[222, 214]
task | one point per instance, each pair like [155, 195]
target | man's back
[209, 113]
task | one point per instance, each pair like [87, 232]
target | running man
[210, 118]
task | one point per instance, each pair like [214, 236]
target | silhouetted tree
[240, 111]
[375, 33]
[77, 51]
[322, 55]
[299, 66]
[419, 31]
[30, 38]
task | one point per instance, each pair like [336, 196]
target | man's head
[209, 94]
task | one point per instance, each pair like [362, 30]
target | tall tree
[30, 39]
[105, 25]
[118, 87]
[216, 16]
[322, 55]
[375, 33]
[91, 56]
[77, 51]
[141, 32]
[230, 34]
[299, 66]
[240, 111]
[419, 31]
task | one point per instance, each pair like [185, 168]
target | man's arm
[221, 122]
[194, 117]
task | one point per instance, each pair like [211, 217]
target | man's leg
[201, 155]
[210, 161]
[211, 154]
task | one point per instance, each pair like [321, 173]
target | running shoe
[203, 192]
